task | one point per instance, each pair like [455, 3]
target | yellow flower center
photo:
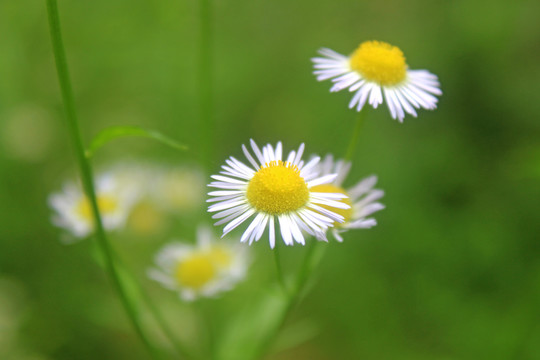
[328, 188]
[379, 62]
[145, 218]
[195, 271]
[220, 256]
[277, 189]
[106, 204]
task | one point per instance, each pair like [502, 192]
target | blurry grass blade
[130, 286]
[295, 335]
[115, 132]
[246, 331]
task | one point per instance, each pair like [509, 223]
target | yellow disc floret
[195, 271]
[277, 188]
[106, 204]
[328, 188]
[379, 62]
[220, 256]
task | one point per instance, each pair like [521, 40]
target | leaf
[114, 132]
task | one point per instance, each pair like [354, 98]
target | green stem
[279, 271]
[360, 117]
[208, 334]
[178, 346]
[86, 171]
[312, 257]
[205, 79]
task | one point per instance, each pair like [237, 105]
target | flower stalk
[87, 176]
[311, 259]
[355, 134]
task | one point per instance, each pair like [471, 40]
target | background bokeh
[452, 271]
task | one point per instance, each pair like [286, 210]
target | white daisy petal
[296, 233]
[322, 180]
[257, 151]
[362, 196]
[285, 231]
[234, 223]
[251, 227]
[271, 232]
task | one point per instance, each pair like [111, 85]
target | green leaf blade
[115, 132]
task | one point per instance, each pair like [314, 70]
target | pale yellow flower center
[328, 188]
[107, 204]
[277, 189]
[196, 271]
[220, 256]
[201, 267]
[145, 218]
[379, 62]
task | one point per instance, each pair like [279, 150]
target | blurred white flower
[201, 270]
[376, 68]
[362, 197]
[163, 190]
[179, 188]
[73, 211]
[273, 189]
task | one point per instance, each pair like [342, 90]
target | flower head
[362, 197]
[376, 68]
[273, 188]
[74, 213]
[201, 270]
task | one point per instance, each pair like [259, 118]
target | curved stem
[360, 117]
[312, 257]
[179, 347]
[86, 172]
[279, 271]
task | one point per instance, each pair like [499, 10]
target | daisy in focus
[201, 270]
[274, 190]
[362, 197]
[377, 70]
[73, 211]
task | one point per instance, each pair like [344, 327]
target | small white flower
[362, 197]
[73, 211]
[274, 189]
[163, 190]
[376, 68]
[201, 270]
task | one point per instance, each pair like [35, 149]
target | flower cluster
[301, 197]
[133, 194]
[270, 189]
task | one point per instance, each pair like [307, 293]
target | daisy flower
[362, 197]
[201, 270]
[73, 211]
[274, 190]
[375, 70]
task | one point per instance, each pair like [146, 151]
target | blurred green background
[452, 271]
